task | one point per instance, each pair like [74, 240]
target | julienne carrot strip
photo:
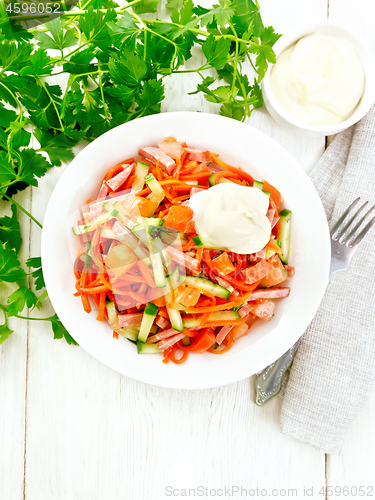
[223, 173]
[219, 307]
[144, 191]
[114, 170]
[105, 281]
[157, 171]
[166, 355]
[243, 175]
[100, 316]
[189, 245]
[199, 254]
[145, 273]
[214, 324]
[177, 170]
[90, 291]
[181, 198]
[129, 182]
[177, 361]
[230, 342]
[201, 175]
[168, 195]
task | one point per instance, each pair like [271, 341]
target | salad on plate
[181, 253]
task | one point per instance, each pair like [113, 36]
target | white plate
[239, 145]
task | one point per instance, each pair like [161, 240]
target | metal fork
[343, 246]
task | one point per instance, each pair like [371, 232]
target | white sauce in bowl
[319, 80]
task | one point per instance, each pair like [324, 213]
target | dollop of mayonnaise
[319, 80]
[232, 217]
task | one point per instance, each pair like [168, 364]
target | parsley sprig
[115, 61]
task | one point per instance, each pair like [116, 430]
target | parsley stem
[15, 98]
[102, 94]
[33, 319]
[22, 209]
[53, 104]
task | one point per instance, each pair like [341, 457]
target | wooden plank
[353, 465]
[92, 433]
[13, 372]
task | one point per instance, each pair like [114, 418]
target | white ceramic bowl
[239, 145]
[289, 122]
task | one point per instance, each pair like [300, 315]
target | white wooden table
[72, 428]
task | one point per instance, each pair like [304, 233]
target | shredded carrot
[96, 289]
[214, 324]
[114, 170]
[158, 172]
[223, 173]
[146, 274]
[177, 361]
[100, 316]
[243, 175]
[230, 342]
[201, 175]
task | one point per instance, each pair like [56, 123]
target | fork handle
[268, 383]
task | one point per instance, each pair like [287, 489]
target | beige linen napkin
[333, 372]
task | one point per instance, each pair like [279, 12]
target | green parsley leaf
[7, 172]
[14, 56]
[60, 39]
[33, 165]
[123, 28]
[5, 332]
[94, 26]
[36, 263]
[216, 51]
[60, 331]
[146, 6]
[175, 4]
[19, 299]
[127, 68]
[40, 64]
[150, 97]
[80, 61]
[57, 146]
[10, 233]
[122, 93]
[10, 270]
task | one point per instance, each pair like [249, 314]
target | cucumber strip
[186, 340]
[215, 316]
[94, 224]
[150, 221]
[175, 319]
[143, 348]
[158, 270]
[285, 223]
[222, 180]
[154, 329]
[192, 183]
[87, 255]
[157, 193]
[129, 332]
[191, 322]
[148, 318]
[120, 213]
[206, 285]
[258, 185]
[112, 315]
[269, 253]
[224, 316]
[267, 193]
[141, 170]
[199, 241]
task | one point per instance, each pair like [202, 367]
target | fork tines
[345, 238]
